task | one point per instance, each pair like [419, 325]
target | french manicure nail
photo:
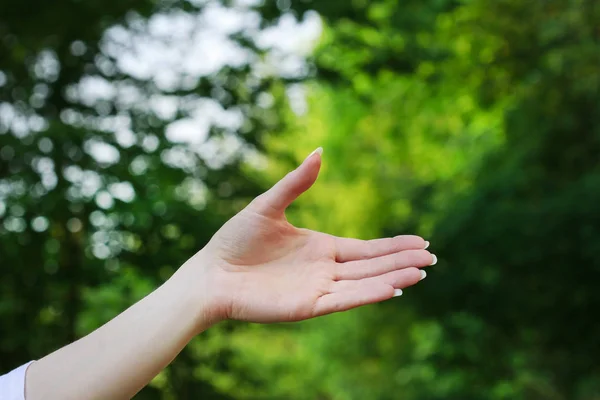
[426, 245]
[423, 274]
[318, 150]
[397, 292]
[434, 259]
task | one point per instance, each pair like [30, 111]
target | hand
[257, 267]
[260, 268]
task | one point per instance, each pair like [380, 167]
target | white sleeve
[12, 385]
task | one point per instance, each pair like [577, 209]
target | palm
[283, 273]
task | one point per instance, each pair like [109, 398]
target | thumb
[279, 197]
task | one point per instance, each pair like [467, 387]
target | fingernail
[423, 274]
[397, 292]
[426, 245]
[319, 151]
[434, 259]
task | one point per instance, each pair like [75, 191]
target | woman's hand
[260, 268]
[256, 268]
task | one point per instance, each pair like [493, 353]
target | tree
[486, 145]
[100, 196]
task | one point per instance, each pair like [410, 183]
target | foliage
[487, 145]
[473, 123]
[97, 203]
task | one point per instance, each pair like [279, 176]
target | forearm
[257, 267]
[122, 356]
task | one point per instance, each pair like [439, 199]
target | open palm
[276, 272]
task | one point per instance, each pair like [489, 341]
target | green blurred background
[131, 130]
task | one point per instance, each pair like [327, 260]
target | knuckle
[415, 258]
[259, 201]
[368, 251]
[336, 272]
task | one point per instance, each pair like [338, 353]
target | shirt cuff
[12, 385]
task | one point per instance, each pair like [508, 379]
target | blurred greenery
[475, 124]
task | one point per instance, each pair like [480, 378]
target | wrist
[200, 289]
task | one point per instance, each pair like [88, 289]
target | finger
[364, 294]
[380, 265]
[280, 196]
[397, 279]
[346, 295]
[348, 249]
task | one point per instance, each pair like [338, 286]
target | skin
[258, 268]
